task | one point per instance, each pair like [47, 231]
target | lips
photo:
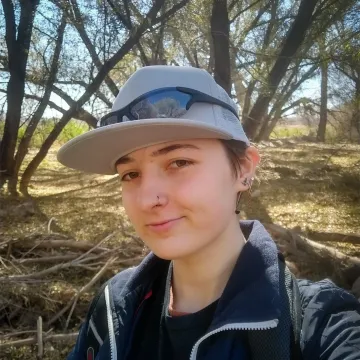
[165, 225]
[162, 222]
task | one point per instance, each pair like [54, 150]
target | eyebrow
[163, 151]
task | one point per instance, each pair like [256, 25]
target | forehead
[164, 148]
[201, 144]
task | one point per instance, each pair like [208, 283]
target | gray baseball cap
[156, 104]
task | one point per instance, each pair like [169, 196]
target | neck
[200, 279]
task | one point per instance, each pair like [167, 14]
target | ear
[248, 168]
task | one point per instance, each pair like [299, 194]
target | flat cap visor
[97, 150]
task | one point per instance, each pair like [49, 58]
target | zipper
[113, 350]
[264, 325]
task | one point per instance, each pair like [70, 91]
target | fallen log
[333, 237]
[347, 267]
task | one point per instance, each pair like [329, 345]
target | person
[212, 287]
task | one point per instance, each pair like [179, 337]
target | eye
[180, 163]
[130, 176]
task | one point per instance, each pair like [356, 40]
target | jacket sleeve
[331, 322]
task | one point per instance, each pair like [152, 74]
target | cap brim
[96, 151]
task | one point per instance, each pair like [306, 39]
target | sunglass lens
[169, 104]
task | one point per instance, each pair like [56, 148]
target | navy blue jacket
[331, 316]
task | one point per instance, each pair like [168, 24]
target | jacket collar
[252, 292]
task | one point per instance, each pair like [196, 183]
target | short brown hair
[235, 151]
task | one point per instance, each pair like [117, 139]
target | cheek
[208, 194]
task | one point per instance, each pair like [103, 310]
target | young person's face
[196, 189]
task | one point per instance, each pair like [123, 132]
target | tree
[35, 119]
[292, 43]
[104, 35]
[149, 19]
[344, 53]
[18, 43]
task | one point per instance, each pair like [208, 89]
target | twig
[88, 286]
[134, 237]
[13, 265]
[5, 242]
[88, 267]
[90, 258]
[35, 235]
[6, 336]
[45, 259]
[97, 245]
[33, 340]
[37, 275]
[40, 343]
[2, 262]
[131, 236]
[53, 244]
[49, 225]
[9, 249]
[34, 247]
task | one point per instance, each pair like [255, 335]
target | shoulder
[331, 320]
[324, 293]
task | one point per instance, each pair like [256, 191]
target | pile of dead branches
[30, 265]
[33, 266]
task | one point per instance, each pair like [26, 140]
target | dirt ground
[308, 186]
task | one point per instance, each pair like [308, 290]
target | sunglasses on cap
[170, 102]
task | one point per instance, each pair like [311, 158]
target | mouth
[163, 225]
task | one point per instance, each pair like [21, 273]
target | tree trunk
[247, 100]
[292, 43]
[357, 108]
[220, 34]
[323, 104]
[25, 141]
[18, 45]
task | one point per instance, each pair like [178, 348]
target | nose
[152, 191]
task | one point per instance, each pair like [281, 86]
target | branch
[292, 105]
[242, 10]
[81, 114]
[99, 94]
[78, 23]
[33, 340]
[170, 12]
[86, 287]
[121, 17]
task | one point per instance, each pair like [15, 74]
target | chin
[172, 252]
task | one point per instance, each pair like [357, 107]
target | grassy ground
[311, 186]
